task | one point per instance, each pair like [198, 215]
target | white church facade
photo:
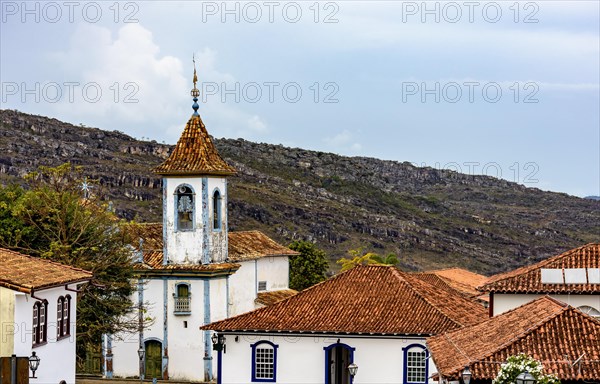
[191, 270]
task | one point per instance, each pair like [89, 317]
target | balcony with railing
[183, 305]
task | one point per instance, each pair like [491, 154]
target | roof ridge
[521, 335]
[528, 268]
[425, 299]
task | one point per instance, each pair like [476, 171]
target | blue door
[337, 359]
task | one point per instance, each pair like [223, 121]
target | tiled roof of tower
[546, 329]
[528, 279]
[372, 299]
[27, 273]
[195, 154]
[242, 245]
[249, 245]
[154, 261]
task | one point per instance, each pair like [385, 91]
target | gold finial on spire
[195, 92]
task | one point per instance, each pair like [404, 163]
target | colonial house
[369, 323]
[572, 277]
[461, 280]
[565, 340]
[38, 313]
[192, 270]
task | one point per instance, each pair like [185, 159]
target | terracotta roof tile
[249, 245]
[194, 154]
[546, 329]
[154, 261]
[272, 297]
[26, 273]
[370, 299]
[457, 279]
[528, 279]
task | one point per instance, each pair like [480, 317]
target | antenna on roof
[195, 92]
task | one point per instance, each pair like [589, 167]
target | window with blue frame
[182, 299]
[264, 361]
[217, 201]
[415, 364]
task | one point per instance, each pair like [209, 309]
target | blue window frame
[182, 299]
[217, 202]
[264, 361]
[185, 208]
[415, 365]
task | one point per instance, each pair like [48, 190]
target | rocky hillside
[430, 218]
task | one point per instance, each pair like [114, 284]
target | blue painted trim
[328, 355]
[253, 362]
[176, 295]
[176, 211]
[207, 342]
[226, 296]
[165, 344]
[219, 209]
[141, 322]
[405, 364]
[205, 227]
[226, 219]
[219, 367]
[147, 339]
[165, 216]
[108, 357]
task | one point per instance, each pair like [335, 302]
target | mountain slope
[430, 218]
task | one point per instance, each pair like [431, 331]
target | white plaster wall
[186, 348]
[57, 357]
[183, 247]
[504, 302]
[242, 288]
[301, 360]
[7, 321]
[275, 271]
[125, 345]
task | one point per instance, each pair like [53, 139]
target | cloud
[142, 91]
[343, 141]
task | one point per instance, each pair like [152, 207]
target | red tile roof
[461, 280]
[371, 299]
[528, 279]
[26, 273]
[154, 261]
[546, 329]
[249, 245]
[272, 297]
[194, 154]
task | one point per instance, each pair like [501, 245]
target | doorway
[153, 363]
[337, 359]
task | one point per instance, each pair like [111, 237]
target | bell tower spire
[194, 180]
[195, 92]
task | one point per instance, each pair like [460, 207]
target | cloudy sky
[502, 88]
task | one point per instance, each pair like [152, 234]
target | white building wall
[275, 271]
[242, 288]
[57, 357]
[7, 321]
[183, 247]
[504, 301]
[301, 360]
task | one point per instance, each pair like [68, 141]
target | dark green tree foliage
[309, 267]
[53, 221]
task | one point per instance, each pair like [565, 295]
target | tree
[360, 258]
[309, 267]
[54, 222]
[520, 363]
